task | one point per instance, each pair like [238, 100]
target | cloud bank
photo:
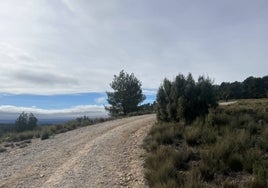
[10, 113]
[53, 47]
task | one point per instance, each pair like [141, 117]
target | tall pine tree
[127, 94]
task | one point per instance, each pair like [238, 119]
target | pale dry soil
[227, 103]
[103, 155]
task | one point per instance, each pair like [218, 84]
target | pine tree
[127, 94]
[185, 99]
[25, 122]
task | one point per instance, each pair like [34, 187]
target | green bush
[256, 184]
[169, 159]
[169, 184]
[235, 162]
[245, 119]
[250, 157]
[265, 116]
[165, 138]
[228, 149]
[149, 144]
[184, 99]
[193, 180]
[200, 133]
[218, 117]
[263, 139]
[193, 136]
[163, 134]
[26, 135]
[260, 170]
[254, 128]
[15, 137]
[2, 150]
[45, 135]
[207, 173]
[209, 137]
[172, 161]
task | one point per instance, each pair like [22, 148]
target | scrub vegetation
[43, 131]
[228, 147]
[250, 88]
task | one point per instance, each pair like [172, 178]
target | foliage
[45, 135]
[25, 122]
[147, 108]
[6, 128]
[228, 148]
[184, 99]
[127, 94]
[19, 136]
[167, 173]
[2, 150]
[163, 134]
[249, 88]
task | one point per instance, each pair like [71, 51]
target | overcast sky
[75, 46]
[64, 46]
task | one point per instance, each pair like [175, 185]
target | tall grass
[228, 148]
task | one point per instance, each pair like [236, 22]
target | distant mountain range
[9, 118]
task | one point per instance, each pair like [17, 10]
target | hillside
[226, 148]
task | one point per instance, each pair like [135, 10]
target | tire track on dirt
[94, 156]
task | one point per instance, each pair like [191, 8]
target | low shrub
[253, 128]
[25, 135]
[235, 162]
[163, 134]
[2, 150]
[218, 117]
[15, 137]
[200, 132]
[45, 135]
[250, 157]
[207, 174]
[149, 144]
[193, 136]
[193, 180]
[256, 184]
[265, 116]
[263, 139]
[260, 170]
[162, 174]
[172, 161]
[228, 149]
[245, 119]
[208, 135]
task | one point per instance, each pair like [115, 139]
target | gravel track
[101, 155]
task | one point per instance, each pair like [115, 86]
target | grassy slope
[227, 149]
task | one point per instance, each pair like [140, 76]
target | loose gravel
[102, 155]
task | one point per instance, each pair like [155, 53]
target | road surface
[102, 155]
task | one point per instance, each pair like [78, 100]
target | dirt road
[102, 155]
[227, 103]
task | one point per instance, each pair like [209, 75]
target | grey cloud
[42, 78]
[10, 113]
[84, 43]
